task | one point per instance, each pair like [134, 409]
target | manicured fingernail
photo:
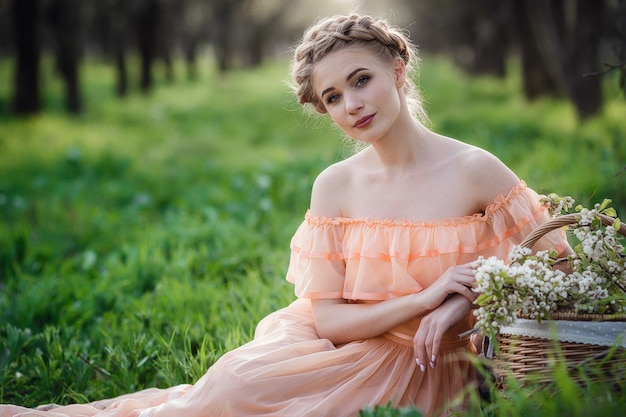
[432, 364]
[433, 358]
[417, 361]
[422, 368]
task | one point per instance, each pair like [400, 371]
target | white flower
[529, 284]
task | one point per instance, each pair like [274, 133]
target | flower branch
[528, 284]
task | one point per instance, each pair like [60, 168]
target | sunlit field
[143, 239]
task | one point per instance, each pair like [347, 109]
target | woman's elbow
[326, 329]
[326, 323]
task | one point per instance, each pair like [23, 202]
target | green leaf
[605, 203]
[610, 211]
[410, 412]
[482, 299]
[616, 224]
[367, 412]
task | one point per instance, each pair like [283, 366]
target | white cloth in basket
[603, 333]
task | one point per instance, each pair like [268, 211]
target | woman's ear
[399, 71]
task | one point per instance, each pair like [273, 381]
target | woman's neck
[403, 148]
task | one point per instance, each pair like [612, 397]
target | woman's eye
[362, 80]
[332, 98]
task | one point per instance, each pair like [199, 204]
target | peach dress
[287, 370]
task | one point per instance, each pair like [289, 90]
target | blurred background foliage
[562, 47]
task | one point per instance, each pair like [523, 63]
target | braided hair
[335, 33]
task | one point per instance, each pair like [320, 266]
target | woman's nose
[353, 103]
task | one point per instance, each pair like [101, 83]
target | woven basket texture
[532, 359]
[529, 358]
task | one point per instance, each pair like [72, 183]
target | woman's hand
[433, 326]
[457, 279]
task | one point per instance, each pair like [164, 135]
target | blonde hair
[338, 32]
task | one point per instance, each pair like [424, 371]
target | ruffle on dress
[379, 259]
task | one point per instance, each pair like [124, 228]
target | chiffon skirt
[287, 370]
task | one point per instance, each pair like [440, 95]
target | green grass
[143, 239]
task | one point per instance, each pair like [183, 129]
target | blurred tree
[166, 36]
[619, 46]
[65, 18]
[619, 43]
[244, 29]
[263, 19]
[490, 37]
[536, 78]
[111, 31]
[476, 34]
[225, 29]
[26, 16]
[237, 32]
[144, 26]
[5, 28]
[568, 36]
[559, 42]
[146, 21]
[193, 17]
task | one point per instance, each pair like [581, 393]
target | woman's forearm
[341, 322]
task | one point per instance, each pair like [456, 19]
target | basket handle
[564, 220]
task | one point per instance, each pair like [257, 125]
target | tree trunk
[26, 26]
[118, 15]
[146, 25]
[191, 54]
[261, 31]
[223, 37]
[537, 80]
[545, 20]
[168, 64]
[619, 147]
[121, 87]
[65, 19]
[165, 36]
[256, 44]
[621, 43]
[570, 51]
[491, 39]
[583, 58]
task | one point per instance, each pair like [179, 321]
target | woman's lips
[364, 121]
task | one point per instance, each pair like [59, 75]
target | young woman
[381, 262]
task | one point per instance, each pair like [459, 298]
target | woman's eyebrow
[348, 78]
[353, 73]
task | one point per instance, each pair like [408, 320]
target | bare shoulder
[486, 175]
[328, 189]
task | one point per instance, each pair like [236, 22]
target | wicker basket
[532, 358]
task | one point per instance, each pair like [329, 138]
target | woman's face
[361, 92]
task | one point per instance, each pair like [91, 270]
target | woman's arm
[341, 322]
